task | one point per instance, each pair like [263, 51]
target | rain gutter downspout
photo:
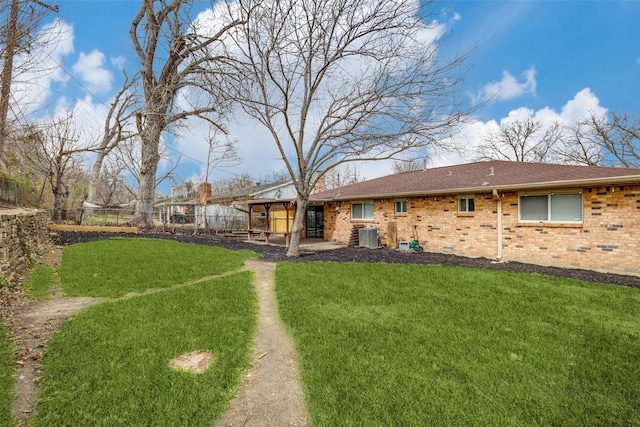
[498, 200]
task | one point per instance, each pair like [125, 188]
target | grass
[116, 267]
[6, 376]
[430, 345]
[41, 282]
[106, 219]
[108, 365]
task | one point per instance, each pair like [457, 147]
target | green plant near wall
[6, 377]
[5, 283]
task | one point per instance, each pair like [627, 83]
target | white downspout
[498, 200]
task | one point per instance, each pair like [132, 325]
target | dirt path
[272, 393]
[31, 325]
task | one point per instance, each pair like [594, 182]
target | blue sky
[549, 60]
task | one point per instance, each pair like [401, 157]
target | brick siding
[608, 239]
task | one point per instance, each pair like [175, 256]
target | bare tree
[117, 128]
[128, 154]
[581, 146]
[411, 165]
[615, 137]
[339, 177]
[522, 140]
[221, 152]
[22, 19]
[173, 53]
[54, 151]
[338, 81]
[111, 188]
[242, 181]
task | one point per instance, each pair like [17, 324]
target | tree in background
[118, 127]
[174, 55]
[598, 139]
[221, 152]
[411, 165]
[238, 182]
[339, 177]
[19, 37]
[54, 150]
[111, 187]
[338, 81]
[523, 140]
[615, 138]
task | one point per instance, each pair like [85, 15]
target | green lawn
[115, 267]
[6, 376]
[40, 282]
[109, 364]
[430, 345]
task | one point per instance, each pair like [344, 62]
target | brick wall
[20, 233]
[607, 240]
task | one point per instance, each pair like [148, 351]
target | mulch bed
[278, 253]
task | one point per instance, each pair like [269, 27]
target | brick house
[567, 216]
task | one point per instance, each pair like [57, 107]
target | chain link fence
[214, 223]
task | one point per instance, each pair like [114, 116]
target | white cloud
[580, 106]
[470, 135]
[509, 87]
[255, 147]
[118, 62]
[39, 69]
[91, 69]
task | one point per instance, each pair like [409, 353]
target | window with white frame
[401, 207]
[362, 210]
[466, 204]
[563, 207]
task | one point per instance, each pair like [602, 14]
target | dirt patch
[195, 362]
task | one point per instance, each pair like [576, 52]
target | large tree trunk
[57, 207]
[143, 217]
[302, 202]
[96, 169]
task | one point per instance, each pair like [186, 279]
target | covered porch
[271, 221]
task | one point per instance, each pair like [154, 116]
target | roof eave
[634, 179]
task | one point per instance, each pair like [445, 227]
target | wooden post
[286, 226]
[249, 222]
[267, 207]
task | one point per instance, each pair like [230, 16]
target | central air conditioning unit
[368, 238]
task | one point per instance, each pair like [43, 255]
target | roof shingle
[482, 176]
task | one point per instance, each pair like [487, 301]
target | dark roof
[481, 177]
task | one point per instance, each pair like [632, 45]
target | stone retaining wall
[21, 232]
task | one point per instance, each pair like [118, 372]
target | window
[466, 205]
[401, 206]
[362, 210]
[551, 207]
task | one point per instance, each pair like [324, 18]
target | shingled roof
[481, 177]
